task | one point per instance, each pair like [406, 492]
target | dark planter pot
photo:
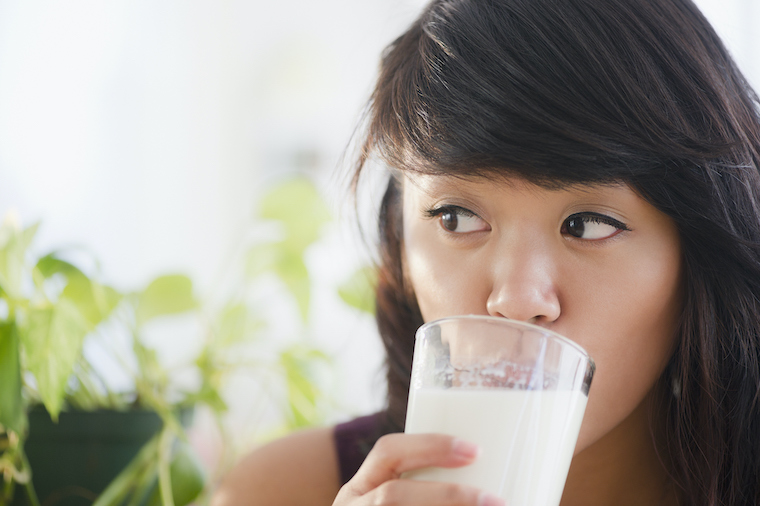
[74, 460]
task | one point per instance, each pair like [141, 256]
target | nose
[524, 286]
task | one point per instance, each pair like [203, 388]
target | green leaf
[94, 301]
[11, 404]
[50, 265]
[232, 324]
[292, 271]
[52, 344]
[28, 235]
[12, 256]
[165, 295]
[106, 298]
[151, 375]
[287, 263]
[208, 395]
[359, 290]
[298, 205]
[298, 363]
[235, 325]
[79, 290]
[261, 258]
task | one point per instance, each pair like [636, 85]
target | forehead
[482, 185]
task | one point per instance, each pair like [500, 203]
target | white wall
[738, 24]
[145, 130]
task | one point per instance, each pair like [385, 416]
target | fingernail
[465, 449]
[486, 499]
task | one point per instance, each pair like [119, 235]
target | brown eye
[592, 226]
[575, 226]
[449, 220]
[457, 220]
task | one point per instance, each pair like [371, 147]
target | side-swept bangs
[571, 91]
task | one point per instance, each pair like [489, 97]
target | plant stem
[164, 467]
[119, 488]
[29, 486]
[7, 488]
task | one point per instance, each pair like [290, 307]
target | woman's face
[595, 263]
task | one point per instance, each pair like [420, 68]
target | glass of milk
[517, 390]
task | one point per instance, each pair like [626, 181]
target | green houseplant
[49, 309]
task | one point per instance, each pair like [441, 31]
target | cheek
[631, 337]
[441, 282]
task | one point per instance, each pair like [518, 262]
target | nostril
[538, 307]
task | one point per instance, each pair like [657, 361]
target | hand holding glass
[517, 390]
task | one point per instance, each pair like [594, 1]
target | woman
[591, 167]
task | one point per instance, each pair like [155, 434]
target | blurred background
[143, 136]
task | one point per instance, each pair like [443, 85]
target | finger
[427, 493]
[395, 454]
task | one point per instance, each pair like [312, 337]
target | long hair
[585, 91]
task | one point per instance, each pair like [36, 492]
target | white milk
[526, 438]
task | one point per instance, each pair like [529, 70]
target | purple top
[353, 441]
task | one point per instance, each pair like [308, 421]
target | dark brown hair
[577, 91]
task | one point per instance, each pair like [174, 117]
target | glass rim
[500, 319]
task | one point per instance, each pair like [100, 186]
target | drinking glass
[516, 389]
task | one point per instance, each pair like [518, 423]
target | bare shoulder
[298, 470]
